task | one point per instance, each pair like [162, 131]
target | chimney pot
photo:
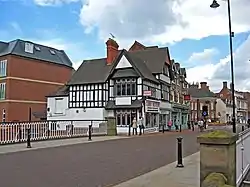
[112, 50]
[225, 84]
[203, 85]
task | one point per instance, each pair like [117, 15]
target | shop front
[165, 115]
[152, 111]
[180, 116]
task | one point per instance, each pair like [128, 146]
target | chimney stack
[203, 85]
[225, 84]
[112, 50]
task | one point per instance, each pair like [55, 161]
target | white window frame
[3, 68]
[2, 91]
[58, 110]
[29, 47]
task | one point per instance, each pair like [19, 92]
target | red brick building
[28, 73]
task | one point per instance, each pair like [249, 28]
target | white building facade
[224, 110]
[125, 85]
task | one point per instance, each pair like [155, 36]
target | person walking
[134, 126]
[140, 124]
[169, 125]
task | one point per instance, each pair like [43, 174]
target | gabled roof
[40, 52]
[145, 62]
[200, 93]
[138, 64]
[62, 91]
[154, 58]
[91, 71]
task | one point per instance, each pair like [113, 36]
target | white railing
[242, 155]
[42, 130]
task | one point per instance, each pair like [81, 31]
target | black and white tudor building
[125, 84]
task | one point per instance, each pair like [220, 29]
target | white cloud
[53, 2]
[162, 21]
[203, 57]
[75, 51]
[215, 74]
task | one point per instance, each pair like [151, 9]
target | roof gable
[123, 63]
[136, 63]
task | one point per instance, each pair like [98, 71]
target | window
[59, 106]
[125, 117]
[29, 47]
[165, 92]
[3, 68]
[82, 96]
[125, 87]
[166, 70]
[2, 90]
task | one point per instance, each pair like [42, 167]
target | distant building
[241, 109]
[224, 108]
[28, 73]
[124, 84]
[202, 96]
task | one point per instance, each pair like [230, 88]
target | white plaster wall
[72, 114]
[221, 107]
[139, 87]
[123, 63]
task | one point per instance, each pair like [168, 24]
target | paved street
[93, 164]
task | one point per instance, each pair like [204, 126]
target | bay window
[125, 87]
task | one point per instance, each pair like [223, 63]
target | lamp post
[215, 4]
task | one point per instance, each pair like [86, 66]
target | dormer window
[52, 52]
[28, 47]
[37, 48]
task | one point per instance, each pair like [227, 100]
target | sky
[197, 36]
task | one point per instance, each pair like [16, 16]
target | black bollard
[179, 153]
[163, 129]
[90, 132]
[28, 138]
[180, 128]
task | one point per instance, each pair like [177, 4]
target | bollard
[180, 129]
[179, 153]
[28, 138]
[90, 132]
[163, 129]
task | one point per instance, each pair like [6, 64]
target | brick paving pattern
[98, 164]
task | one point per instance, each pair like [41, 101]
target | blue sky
[66, 26]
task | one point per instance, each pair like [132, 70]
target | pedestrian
[169, 125]
[176, 125]
[140, 124]
[192, 124]
[189, 125]
[134, 126]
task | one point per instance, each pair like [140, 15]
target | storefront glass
[151, 120]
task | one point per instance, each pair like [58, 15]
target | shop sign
[187, 98]
[152, 106]
[147, 93]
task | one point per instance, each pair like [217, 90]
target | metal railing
[242, 155]
[13, 132]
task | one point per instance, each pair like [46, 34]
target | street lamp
[215, 4]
